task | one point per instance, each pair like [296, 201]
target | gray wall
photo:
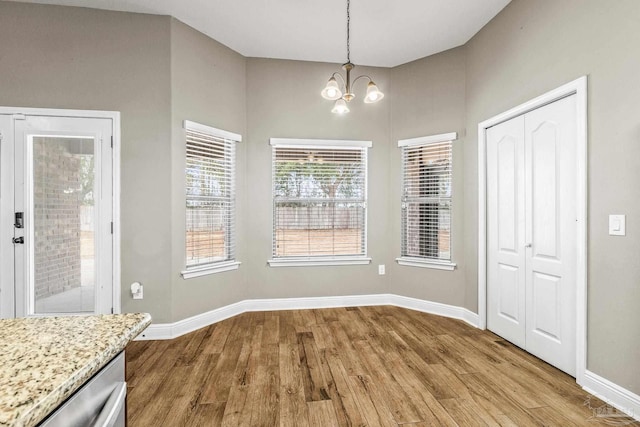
[532, 47]
[207, 86]
[428, 98]
[76, 58]
[284, 102]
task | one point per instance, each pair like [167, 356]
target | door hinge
[111, 310]
[111, 227]
[111, 141]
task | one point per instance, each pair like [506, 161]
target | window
[210, 200]
[319, 202]
[426, 201]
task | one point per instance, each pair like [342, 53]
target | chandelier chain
[348, 31]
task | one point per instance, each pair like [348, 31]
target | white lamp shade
[340, 107]
[332, 90]
[373, 94]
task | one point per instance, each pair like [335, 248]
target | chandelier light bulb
[340, 107]
[332, 90]
[373, 93]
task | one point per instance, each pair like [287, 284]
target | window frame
[228, 264]
[427, 262]
[321, 260]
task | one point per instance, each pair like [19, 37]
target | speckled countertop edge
[45, 360]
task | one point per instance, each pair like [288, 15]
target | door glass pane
[63, 276]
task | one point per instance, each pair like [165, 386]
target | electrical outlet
[381, 269]
[137, 290]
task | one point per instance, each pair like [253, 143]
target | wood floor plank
[145, 362]
[265, 409]
[194, 347]
[349, 356]
[488, 395]
[322, 336]
[551, 417]
[355, 366]
[239, 389]
[221, 378]
[373, 407]
[293, 405]
[206, 415]
[425, 372]
[347, 409]
[152, 379]
[187, 398]
[396, 399]
[430, 410]
[315, 384]
[322, 413]
[271, 330]
[219, 336]
[304, 320]
[463, 413]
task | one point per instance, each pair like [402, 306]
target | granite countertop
[44, 360]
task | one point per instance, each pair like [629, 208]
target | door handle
[528, 245]
[18, 240]
[113, 408]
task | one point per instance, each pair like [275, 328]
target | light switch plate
[617, 225]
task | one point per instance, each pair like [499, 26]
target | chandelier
[342, 94]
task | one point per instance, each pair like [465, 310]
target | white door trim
[577, 87]
[115, 122]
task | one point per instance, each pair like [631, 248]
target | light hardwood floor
[367, 366]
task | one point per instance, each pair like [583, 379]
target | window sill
[421, 262]
[316, 261]
[190, 273]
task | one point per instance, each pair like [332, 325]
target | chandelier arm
[361, 77]
[344, 83]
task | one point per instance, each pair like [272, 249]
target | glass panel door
[63, 193]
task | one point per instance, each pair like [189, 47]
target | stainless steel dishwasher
[100, 402]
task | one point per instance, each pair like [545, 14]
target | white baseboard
[164, 331]
[430, 307]
[616, 396]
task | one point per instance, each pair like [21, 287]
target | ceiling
[384, 33]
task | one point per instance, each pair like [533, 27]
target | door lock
[19, 220]
[18, 240]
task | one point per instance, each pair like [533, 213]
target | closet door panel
[506, 228]
[550, 147]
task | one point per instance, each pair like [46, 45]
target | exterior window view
[63, 214]
[210, 198]
[319, 201]
[426, 201]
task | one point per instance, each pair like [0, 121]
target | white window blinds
[210, 195]
[319, 198]
[426, 198]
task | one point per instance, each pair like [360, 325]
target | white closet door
[550, 151]
[506, 231]
[531, 232]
